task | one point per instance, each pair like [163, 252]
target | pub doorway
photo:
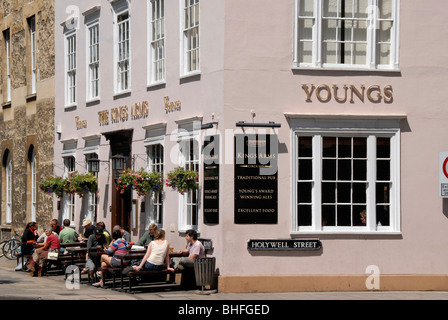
[120, 147]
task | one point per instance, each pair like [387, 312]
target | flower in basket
[125, 180]
[81, 184]
[182, 180]
[52, 185]
[145, 182]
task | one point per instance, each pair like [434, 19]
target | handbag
[53, 254]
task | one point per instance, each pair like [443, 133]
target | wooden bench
[132, 275]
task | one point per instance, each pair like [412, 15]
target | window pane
[361, 7]
[344, 170]
[328, 215]
[383, 148]
[383, 215]
[382, 193]
[305, 169]
[305, 147]
[344, 192]
[359, 148]
[385, 9]
[304, 215]
[358, 213]
[306, 8]
[329, 169]
[328, 192]
[329, 147]
[359, 193]
[359, 170]
[344, 216]
[344, 147]
[383, 170]
[304, 192]
[330, 8]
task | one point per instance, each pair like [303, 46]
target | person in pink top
[37, 261]
[194, 248]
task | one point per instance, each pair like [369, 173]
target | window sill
[190, 75]
[156, 84]
[31, 97]
[121, 94]
[93, 102]
[345, 69]
[345, 233]
[70, 106]
[6, 105]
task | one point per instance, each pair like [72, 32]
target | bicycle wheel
[11, 249]
[2, 244]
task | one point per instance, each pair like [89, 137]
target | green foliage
[75, 183]
[182, 180]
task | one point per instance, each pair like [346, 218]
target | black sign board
[211, 179]
[256, 183]
[278, 244]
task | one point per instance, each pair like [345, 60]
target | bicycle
[11, 248]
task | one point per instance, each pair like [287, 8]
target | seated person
[148, 236]
[41, 253]
[117, 249]
[96, 243]
[68, 234]
[29, 234]
[88, 229]
[156, 255]
[194, 248]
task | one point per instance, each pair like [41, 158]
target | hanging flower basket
[125, 180]
[81, 184]
[145, 182]
[53, 185]
[182, 180]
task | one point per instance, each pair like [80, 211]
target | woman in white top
[157, 254]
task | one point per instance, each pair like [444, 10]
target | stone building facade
[27, 112]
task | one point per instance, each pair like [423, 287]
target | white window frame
[188, 45]
[373, 23]
[9, 172]
[70, 69]
[68, 199]
[33, 54]
[7, 36]
[91, 204]
[187, 200]
[318, 127]
[156, 43]
[155, 201]
[93, 61]
[33, 166]
[120, 45]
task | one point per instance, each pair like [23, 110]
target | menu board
[211, 179]
[256, 183]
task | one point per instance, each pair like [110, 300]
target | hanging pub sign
[278, 244]
[256, 184]
[211, 179]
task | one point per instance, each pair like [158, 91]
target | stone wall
[28, 121]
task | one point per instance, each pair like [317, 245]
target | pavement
[19, 286]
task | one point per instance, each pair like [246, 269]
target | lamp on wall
[93, 165]
[118, 163]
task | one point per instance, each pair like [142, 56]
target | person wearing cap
[88, 229]
[96, 244]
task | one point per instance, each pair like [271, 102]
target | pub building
[316, 128]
